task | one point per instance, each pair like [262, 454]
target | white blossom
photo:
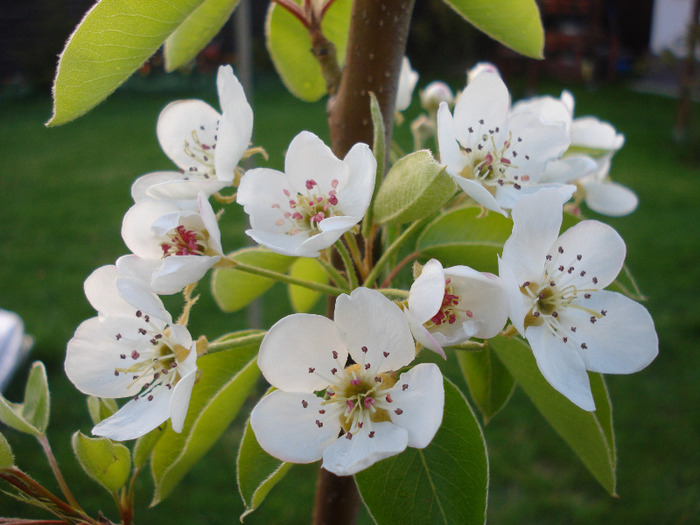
[317, 198]
[205, 145]
[132, 349]
[363, 412]
[450, 306]
[172, 247]
[408, 79]
[558, 302]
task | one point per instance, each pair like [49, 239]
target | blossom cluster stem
[351, 241]
[235, 342]
[283, 277]
[334, 274]
[390, 252]
[349, 266]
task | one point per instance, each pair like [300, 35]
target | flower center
[202, 153]
[150, 358]
[306, 211]
[448, 311]
[184, 242]
[488, 163]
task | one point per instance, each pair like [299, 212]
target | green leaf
[303, 299]
[196, 31]
[490, 384]
[256, 471]
[589, 434]
[7, 459]
[459, 237]
[101, 408]
[234, 289]
[32, 415]
[447, 482]
[514, 23]
[415, 187]
[226, 379]
[379, 150]
[109, 44]
[144, 446]
[289, 45]
[103, 460]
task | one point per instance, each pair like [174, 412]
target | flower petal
[419, 396]
[623, 341]
[308, 157]
[288, 426]
[345, 457]
[136, 418]
[176, 272]
[354, 198]
[486, 98]
[297, 353]
[610, 198]
[137, 224]
[233, 138]
[375, 329]
[561, 365]
[427, 292]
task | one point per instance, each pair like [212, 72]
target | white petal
[259, 191]
[368, 319]
[308, 157]
[296, 354]
[345, 457]
[427, 292]
[569, 169]
[354, 198]
[332, 229]
[589, 132]
[136, 418]
[601, 250]
[480, 194]
[142, 298]
[486, 99]
[450, 153]
[141, 188]
[548, 108]
[420, 396]
[562, 366]
[211, 225]
[178, 122]
[286, 426]
[518, 303]
[610, 198]
[101, 291]
[423, 336]
[180, 401]
[282, 243]
[136, 226]
[623, 341]
[407, 83]
[177, 271]
[137, 268]
[235, 132]
[91, 358]
[536, 222]
[186, 189]
[228, 87]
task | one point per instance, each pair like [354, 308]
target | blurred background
[64, 191]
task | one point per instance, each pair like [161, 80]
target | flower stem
[235, 342]
[283, 277]
[347, 261]
[44, 442]
[390, 251]
[351, 240]
[334, 275]
[393, 273]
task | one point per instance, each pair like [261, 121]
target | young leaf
[379, 150]
[109, 44]
[415, 187]
[7, 459]
[489, 382]
[589, 434]
[256, 471]
[196, 31]
[446, 482]
[233, 289]
[105, 461]
[459, 237]
[309, 269]
[289, 45]
[514, 23]
[101, 408]
[32, 415]
[226, 380]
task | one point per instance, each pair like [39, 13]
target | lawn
[65, 190]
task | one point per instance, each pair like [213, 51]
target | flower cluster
[346, 390]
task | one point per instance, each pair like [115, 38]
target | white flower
[495, 156]
[316, 200]
[435, 93]
[204, 144]
[172, 247]
[587, 161]
[558, 303]
[450, 306]
[408, 79]
[378, 414]
[132, 349]
[481, 67]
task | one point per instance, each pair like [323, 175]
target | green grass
[65, 190]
